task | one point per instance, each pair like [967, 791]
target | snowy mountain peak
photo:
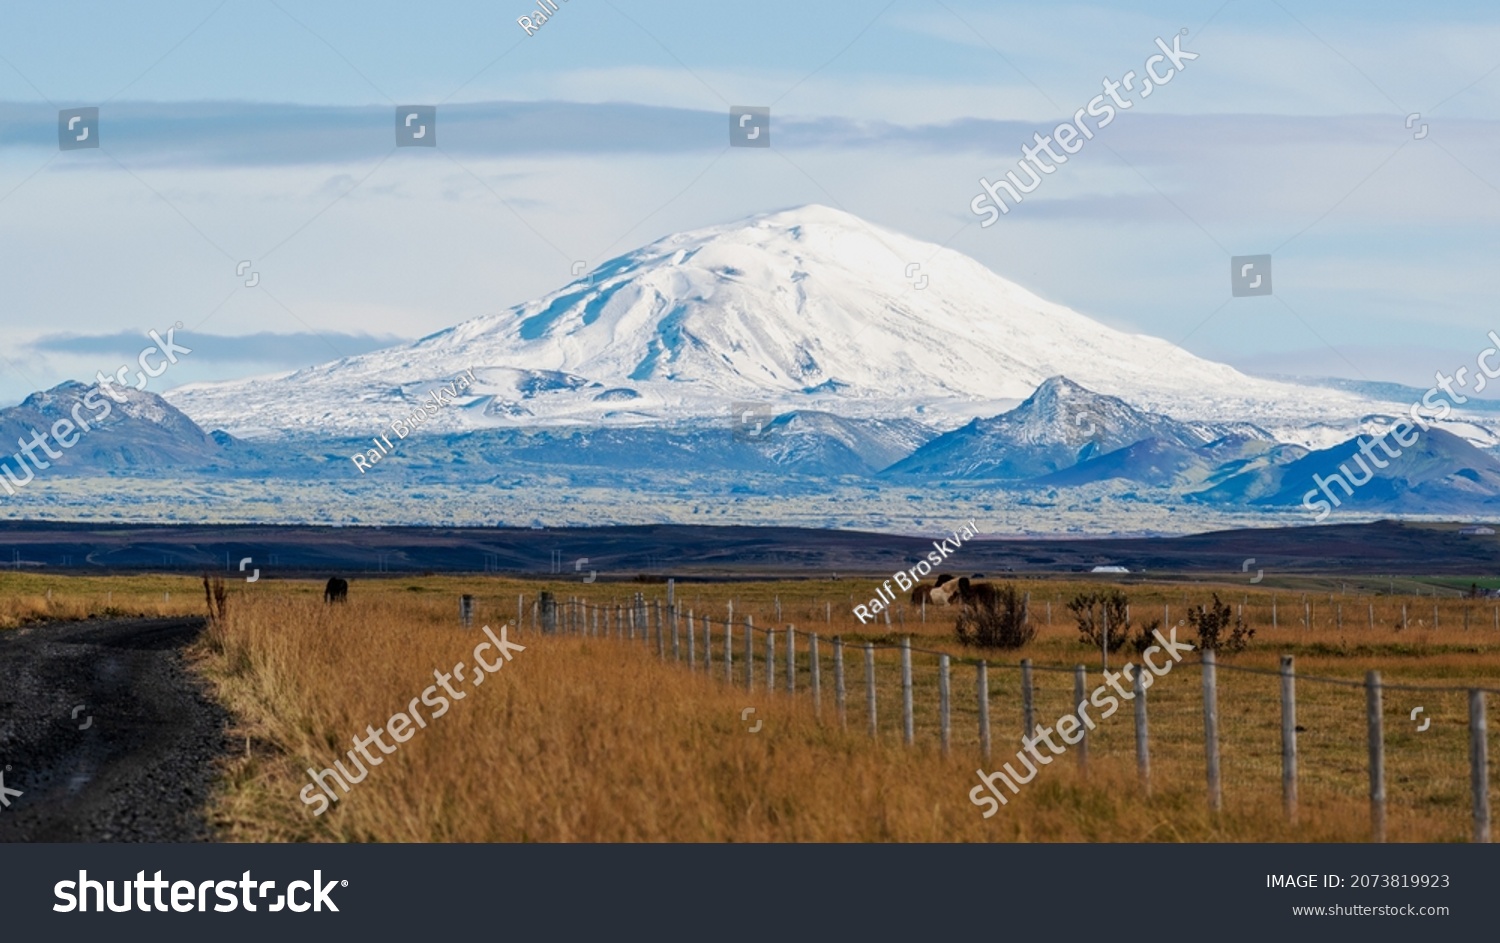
[1059, 426]
[807, 308]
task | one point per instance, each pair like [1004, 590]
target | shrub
[1213, 621]
[1115, 608]
[1001, 622]
[1146, 637]
[216, 595]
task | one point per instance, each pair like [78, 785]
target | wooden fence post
[692, 634]
[770, 661]
[1142, 733]
[520, 610]
[1028, 721]
[1080, 678]
[676, 641]
[1479, 766]
[1375, 724]
[729, 650]
[838, 680]
[943, 702]
[791, 659]
[870, 684]
[1289, 737]
[749, 653]
[708, 644]
[984, 710]
[907, 721]
[1211, 729]
[548, 605]
[817, 678]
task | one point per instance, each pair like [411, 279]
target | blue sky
[262, 131]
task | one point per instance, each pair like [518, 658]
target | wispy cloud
[265, 348]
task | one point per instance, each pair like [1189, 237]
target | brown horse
[977, 594]
[337, 590]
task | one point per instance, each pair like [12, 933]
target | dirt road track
[141, 769]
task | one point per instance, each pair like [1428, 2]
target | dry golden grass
[27, 598]
[595, 739]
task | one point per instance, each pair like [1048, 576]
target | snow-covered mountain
[809, 309]
[141, 434]
[1059, 426]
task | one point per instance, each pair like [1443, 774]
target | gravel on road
[106, 733]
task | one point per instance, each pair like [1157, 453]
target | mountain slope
[807, 309]
[143, 433]
[1056, 428]
[1438, 474]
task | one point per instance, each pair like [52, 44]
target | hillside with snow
[808, 310]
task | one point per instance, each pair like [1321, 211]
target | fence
[792, 661]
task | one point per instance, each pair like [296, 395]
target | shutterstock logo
[188, 897]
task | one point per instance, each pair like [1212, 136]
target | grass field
[599, 739]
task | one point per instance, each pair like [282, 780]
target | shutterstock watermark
[1439, 401]
[1072, 135]
[167, 348]
[400, 725]
[67, 432]
[1070, 727]
[188, 896]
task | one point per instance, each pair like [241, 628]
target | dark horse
[977, 594]
[337, 590]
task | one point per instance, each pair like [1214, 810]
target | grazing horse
[944, 591]
[975, 594]
[337, 590]
[921, 593]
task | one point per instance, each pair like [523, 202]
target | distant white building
[1110, 569]
[1477, 530]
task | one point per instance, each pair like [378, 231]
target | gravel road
[137, 760]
